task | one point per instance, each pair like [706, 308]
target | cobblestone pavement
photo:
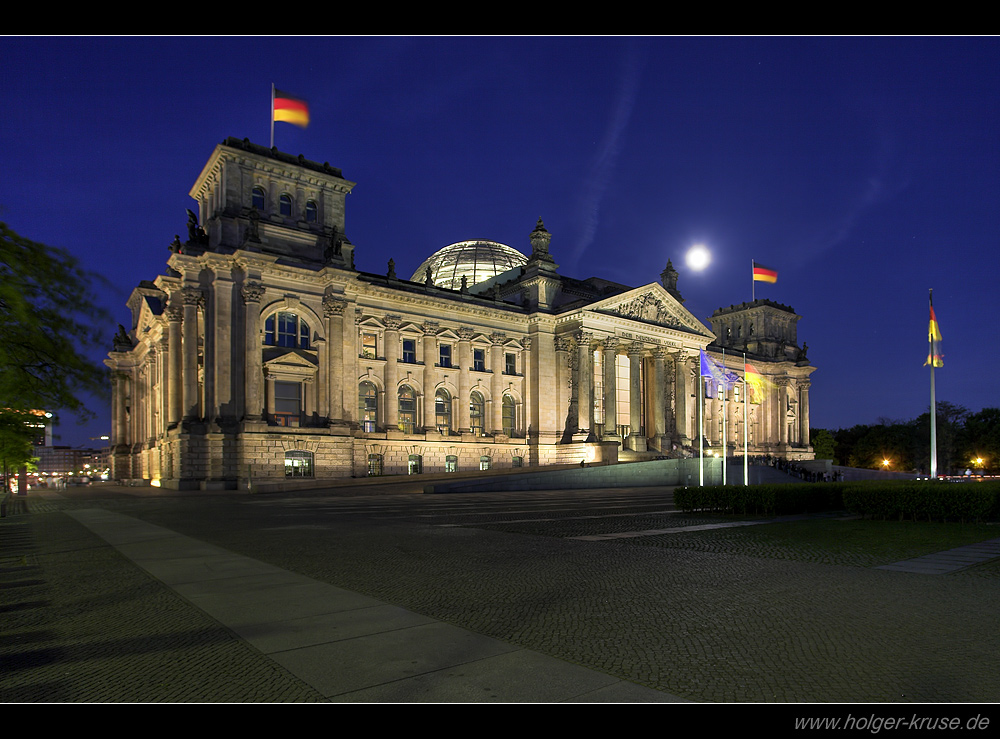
[688, 613]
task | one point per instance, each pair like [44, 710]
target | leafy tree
[980, 438]
[48, 322]
[822, 442]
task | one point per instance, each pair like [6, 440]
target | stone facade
[265, 355]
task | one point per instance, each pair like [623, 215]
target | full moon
[698, 257]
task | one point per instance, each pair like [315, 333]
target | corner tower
[259, 199]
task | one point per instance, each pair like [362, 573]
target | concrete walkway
[953, 560]
[347, 646]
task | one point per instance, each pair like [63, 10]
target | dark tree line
[965, 440]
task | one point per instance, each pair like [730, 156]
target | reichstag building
[264, 356]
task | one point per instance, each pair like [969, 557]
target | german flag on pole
[290, 109]
[935, 357]
[764, 274]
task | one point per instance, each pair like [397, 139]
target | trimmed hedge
[765, 500]
[924, 500]
[914, 500]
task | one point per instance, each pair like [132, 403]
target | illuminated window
[479, 360]
[484, 462]
[517, 462]
[311, 211]
[285, 204]
[369, 345]
[298, 464]
[414, 465]
[451, 463]
[477, 412]
[442, 411]
[374, 465]
[286, 329]
[368, 407]
[598, 387]
[407, 409]
[258, 198]
[410, 351]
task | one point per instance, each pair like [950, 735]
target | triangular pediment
[290, 359]
[652, 304]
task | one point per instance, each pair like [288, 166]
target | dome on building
[475, 260]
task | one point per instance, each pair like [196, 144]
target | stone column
[526, 385]
[804, 412]
[782, 414]
[333, 311]
[636, 438]
[175, 364]
[610, 390]
[430, 359]
[252, 293]
[192, 298]
[658, 388]
[682, 394]
[584, 382]
[392, 348]
[465, 335]
[496, 381]
[563, 392]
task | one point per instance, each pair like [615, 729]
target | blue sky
[865, 170]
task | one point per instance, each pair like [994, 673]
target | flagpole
[701, 430]
[746, 435]
[272, 115]
[725, 441]
[753, 283]
[930, 339]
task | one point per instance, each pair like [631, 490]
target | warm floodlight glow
[886, 463]
[698, 257]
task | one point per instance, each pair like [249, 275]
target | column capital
[252, 292]
[465, 333]
[333, 306]
[498, 338]
[636, 349]
[392, 322]
[611, 343]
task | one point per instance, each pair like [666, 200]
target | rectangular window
[479, 360]
[369, 345]
[287, 402]
[410, 351]
[445, 356]
[510, 363]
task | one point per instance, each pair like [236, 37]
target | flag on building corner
[755, 384]
[290, 109]
[719, 375]
[764, 274]
[935, 357]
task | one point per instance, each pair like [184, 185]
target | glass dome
[475, 260]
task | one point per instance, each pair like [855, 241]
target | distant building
[265, 353]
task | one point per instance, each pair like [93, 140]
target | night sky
[865, 170]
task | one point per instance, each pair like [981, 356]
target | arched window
[407, 409]
[286, 329]
[477, 412]
[414, 465]
[484, 462]
[368, 407]
[374, 465]
[517, 462]
[311, 211]
[258, 198]
[442, 411]
[298, 464]
[451, 463]
[285, 204]
[509, 415]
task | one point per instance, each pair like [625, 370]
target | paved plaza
[113, 594]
